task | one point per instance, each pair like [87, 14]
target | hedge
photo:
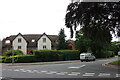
[56, 55]
[2, 58]
[20, 59]
[104, 54]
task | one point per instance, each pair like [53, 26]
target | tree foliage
[62, 45]
[82, 43]
[98, 19]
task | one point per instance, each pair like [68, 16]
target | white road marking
[21, 69]
[35, 71]
[74, 67]
[117, 75]
[1, 78]
[28, 70]
[61, 73]
[104, 74]
[74, 73]
[51, 72]
[77, 67]
[16, 70]
[102, 60]
[43, 71]
[89, 74]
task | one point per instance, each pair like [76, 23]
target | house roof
[36, 37]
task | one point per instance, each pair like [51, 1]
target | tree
[62, 45]
[82, 43]
[98, 19]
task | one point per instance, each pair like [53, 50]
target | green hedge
[2, 58]
[44, 56]
[16, 52]
[20, 59]
[56, 55]
[104, 54]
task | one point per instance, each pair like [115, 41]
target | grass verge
[115, 62]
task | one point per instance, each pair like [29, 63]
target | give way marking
[76, 67]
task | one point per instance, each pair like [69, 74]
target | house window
[44, 46]
[19, 47]
[44, 40]
[19, 40]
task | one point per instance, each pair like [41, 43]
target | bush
[45, 56]
[21, 59]
[69, 54]
[2, 58]
[104, 54]
[16, 52]
[55, 55]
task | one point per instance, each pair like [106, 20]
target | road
[93, 69]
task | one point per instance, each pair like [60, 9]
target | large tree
[99, 20]
[62, 45]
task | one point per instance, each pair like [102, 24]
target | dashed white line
[51, 72]
[117, 75]
[61, 73]
[43, 71]
[77, 67]
[89, 74]
[1, 78]
[104, 74]
[74, 73]
[74, 67]
[16, 70]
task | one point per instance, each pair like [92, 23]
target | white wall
[0, 46]
[47, 43]
[118, 38]
[23, 44]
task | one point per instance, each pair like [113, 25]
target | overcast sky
[32, 17]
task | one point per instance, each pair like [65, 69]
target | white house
[28, 42]
[118, 38]
[0, 46]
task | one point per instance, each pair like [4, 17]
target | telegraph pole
[12, 55]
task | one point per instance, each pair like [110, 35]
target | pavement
[40, 63]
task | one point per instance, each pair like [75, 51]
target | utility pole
[13, 56]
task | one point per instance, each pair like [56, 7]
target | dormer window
[7, 41]
[19, 40]
[33, 40]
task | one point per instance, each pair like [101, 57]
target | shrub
[46, 55]
[21, 59]
[69, 54]
[104, 54]
[2, 58]
[16, 52]
[55, 55]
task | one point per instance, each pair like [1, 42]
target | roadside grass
[115, 62]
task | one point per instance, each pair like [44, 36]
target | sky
[33, 17]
